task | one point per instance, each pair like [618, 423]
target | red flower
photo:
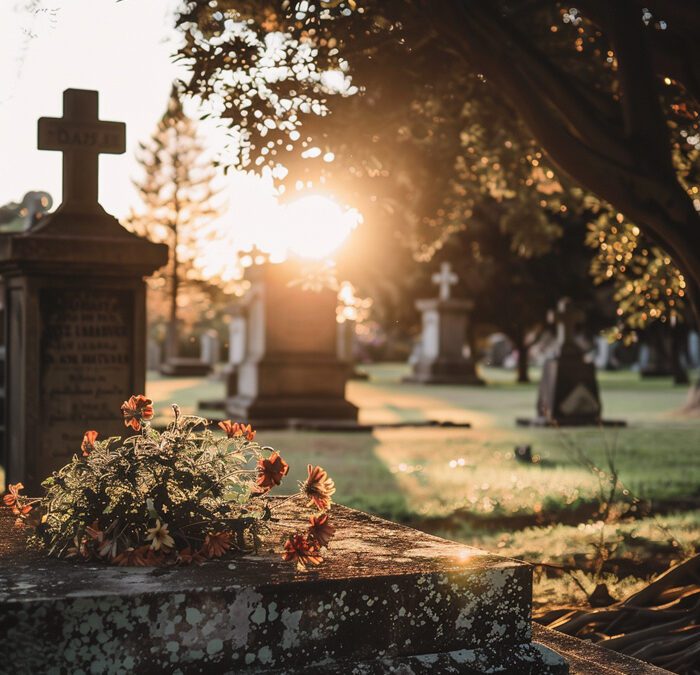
[321, 531]
[131, 557]
[13, 500]
[237, 430]
[216, 544]
[318, 487]
[136, 410]
[88, 444]
[298, 548]
[188, 557]
[271, 471]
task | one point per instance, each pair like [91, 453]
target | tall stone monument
[440, 358]
[291, 372]
[568, 393]
[75, 305]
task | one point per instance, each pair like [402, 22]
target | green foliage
[186, 477]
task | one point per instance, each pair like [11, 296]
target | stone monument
[75, 305]
[291, 372]
[237, 346]
[440, 359]
[568, 393]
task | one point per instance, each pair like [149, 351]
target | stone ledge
[386, 592]
[586, 658]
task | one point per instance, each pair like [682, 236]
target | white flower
[160, 537]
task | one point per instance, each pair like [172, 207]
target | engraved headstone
[441, 358]
[291, 372]
[75, 300]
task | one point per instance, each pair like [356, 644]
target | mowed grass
[414, 473]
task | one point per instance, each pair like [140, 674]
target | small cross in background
[444, 279]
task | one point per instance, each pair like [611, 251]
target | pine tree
[176, 190]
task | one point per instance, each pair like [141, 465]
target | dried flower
[188, 556]
[216, 544]
[79, 548]
[13, 500]
[131, 557]
[88, 444]
[318, 487]
[159, 536]
[237, 430]
[136, 410]
[298, 548]
[321, 530]
[271, 471]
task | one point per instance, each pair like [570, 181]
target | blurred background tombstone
[154, 353]
[568, 392]
[441, 359]
[291, 370]
[210, 348]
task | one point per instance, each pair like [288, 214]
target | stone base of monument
[387, 599]
[568, 394]
[445, 372]
[184, 367]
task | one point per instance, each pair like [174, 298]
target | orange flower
[216, 544]
[318, 487]
[271, 471]
[88, 443]
[236, 430]
[14, 500]
[136, 410]
[321, 531]
[298, 548]
[11, 498]
[188, 556]
[131, 557]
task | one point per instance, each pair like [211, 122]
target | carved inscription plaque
[86, 359]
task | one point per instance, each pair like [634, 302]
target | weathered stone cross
[444, 279]
[568, 317]
[81, 137]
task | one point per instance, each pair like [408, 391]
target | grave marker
[440, 358]
[75, 300]
[291, 372]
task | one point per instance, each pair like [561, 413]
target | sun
[315, 226]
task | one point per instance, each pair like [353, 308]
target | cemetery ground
[466, 484]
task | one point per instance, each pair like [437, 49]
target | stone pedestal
[388, 599]
[440, 359]
[291, 371]
[76, 335]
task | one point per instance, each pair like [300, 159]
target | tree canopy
[462, 99]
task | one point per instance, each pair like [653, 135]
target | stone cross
[444, 279]
[568, 318]
[81, 137]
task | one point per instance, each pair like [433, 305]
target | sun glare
[316, 226]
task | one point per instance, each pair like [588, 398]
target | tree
[176, 192]
[609, 93]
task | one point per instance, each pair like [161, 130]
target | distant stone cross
[81, 137]
[444, 279]
[568, 318]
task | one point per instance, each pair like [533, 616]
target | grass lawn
[465, 483]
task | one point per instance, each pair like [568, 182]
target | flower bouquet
[182, 496]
